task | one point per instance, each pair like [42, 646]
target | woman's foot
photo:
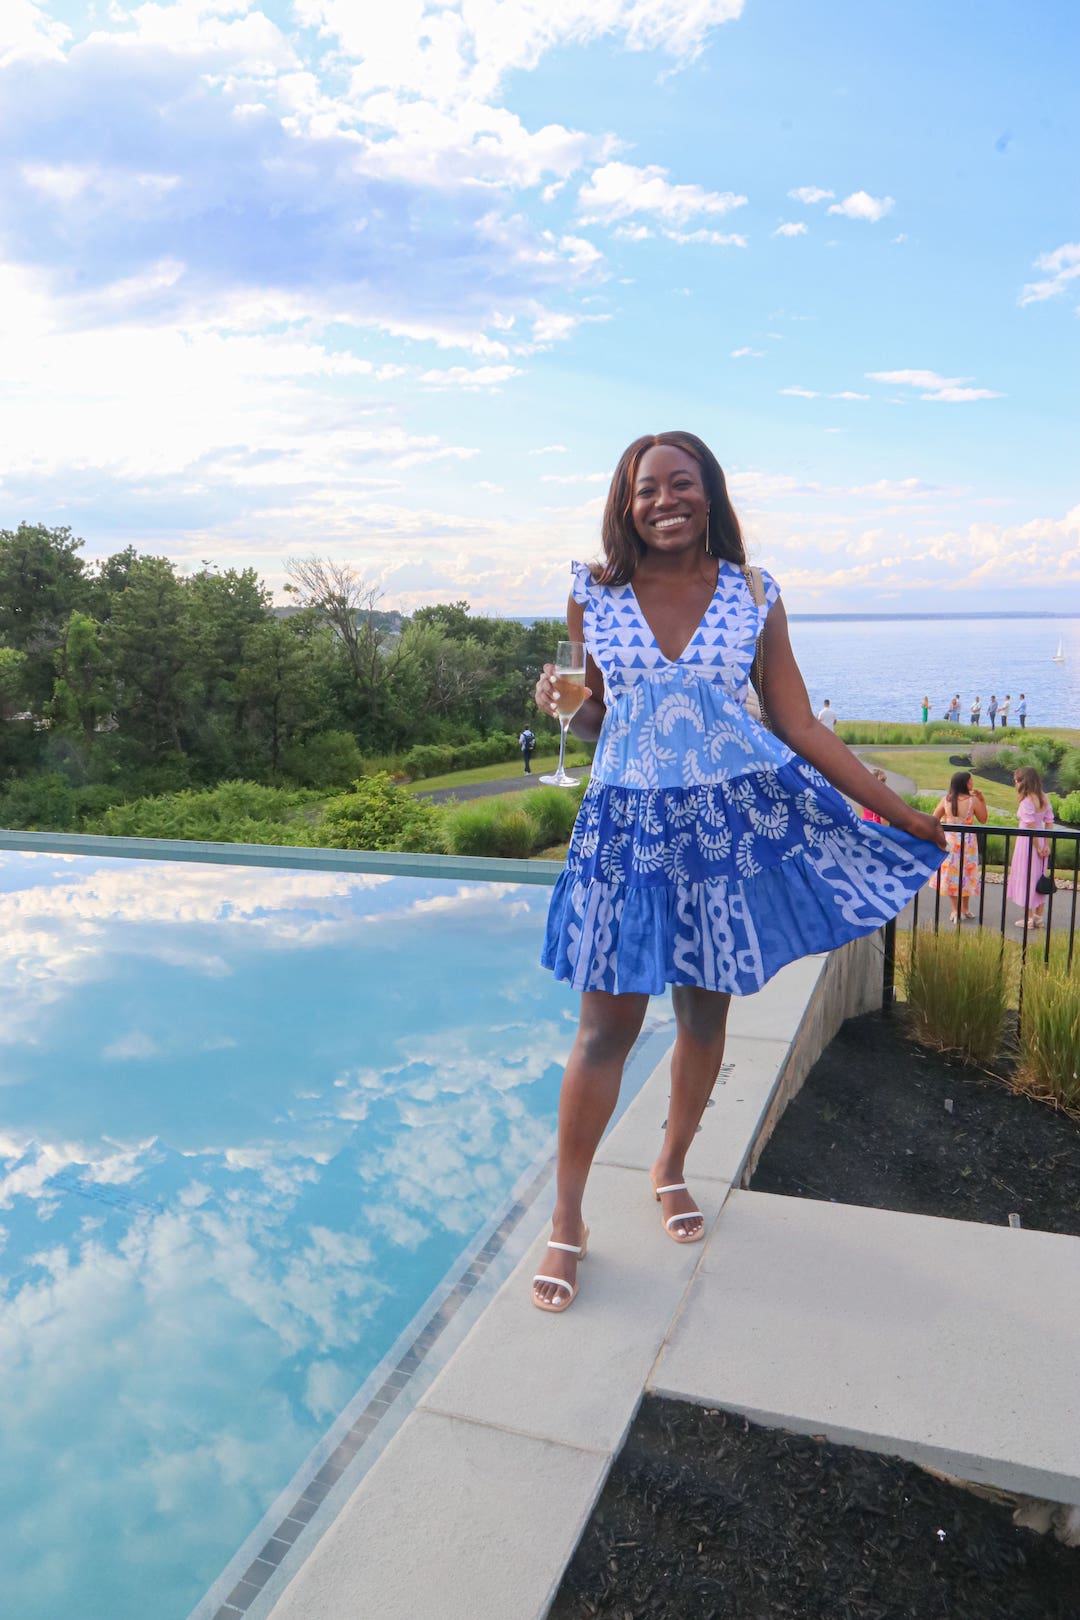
[681, 1217]
[555, 1285]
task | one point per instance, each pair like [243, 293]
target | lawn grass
[505, 772]
[931, 772]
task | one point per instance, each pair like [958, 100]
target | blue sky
[397, 283]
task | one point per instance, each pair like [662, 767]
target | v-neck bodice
[721, 649]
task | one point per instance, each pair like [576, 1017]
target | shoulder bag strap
[757, 669]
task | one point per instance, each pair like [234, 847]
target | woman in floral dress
[709, 850]
[959, 877]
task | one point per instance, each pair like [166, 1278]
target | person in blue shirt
[527, 744]
[1021, 709]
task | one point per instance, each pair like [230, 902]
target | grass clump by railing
[957, 993]
[1049, 1061]
[514, 828]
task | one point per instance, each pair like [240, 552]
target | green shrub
[1068, 771]
[378, 814]
[47, 802]
[330, 759]
[957, 992]
[1050, 1031]
[1067, 809]
[552, 812]
[232, 813]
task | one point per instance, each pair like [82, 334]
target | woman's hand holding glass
[561, 690]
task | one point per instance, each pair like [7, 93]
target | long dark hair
[624, 548]
[959, 787]
[1029, 786]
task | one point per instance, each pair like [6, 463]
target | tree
[84, 690]
[278, 684]
[42, 578]
[149, 642]
[339, 598]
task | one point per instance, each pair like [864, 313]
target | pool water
[248, 1120]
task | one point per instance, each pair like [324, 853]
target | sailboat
[1059, 656]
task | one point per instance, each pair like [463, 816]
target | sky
[396, 284]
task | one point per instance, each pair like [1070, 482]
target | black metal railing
[1061, 905]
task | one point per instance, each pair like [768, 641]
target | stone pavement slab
[944, 1342]
[460, 1521]
[577, 1378]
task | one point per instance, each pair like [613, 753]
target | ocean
[879, 669]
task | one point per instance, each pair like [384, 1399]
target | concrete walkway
[942, 1341]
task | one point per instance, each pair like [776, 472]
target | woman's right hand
[547, 687]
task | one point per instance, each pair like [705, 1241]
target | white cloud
[28, 33]
[550, 450]
[860, 205]
[801, 393]
[619, 190]
[576, 478]
[633, 233]
[709, 238]
[847, 394]
[791, 228]
[1063, 265]
[747, 353]
[811, 194]
[448, 54]
[470, 377]
[950, 390]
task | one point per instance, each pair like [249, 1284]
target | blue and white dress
[705, 851]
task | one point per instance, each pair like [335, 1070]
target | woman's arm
[788, 708]
[590, 717]
[978, 804]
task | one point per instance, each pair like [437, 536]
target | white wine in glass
[569, 688]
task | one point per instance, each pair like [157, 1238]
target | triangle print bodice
[677, 723]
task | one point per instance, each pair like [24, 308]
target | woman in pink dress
[959, 877]
[1031, 854]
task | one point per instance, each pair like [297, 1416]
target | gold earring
[709, 552]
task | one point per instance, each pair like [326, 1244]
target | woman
[1031, 854]
[959, 877]
[925, 710]
[872, 815]
[707, 853]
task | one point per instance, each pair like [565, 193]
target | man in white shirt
[827, 716]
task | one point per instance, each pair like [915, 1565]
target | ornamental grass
[1049, 1060]
[957, 988]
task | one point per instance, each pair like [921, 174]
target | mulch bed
[708, 1517]
[870, 1126]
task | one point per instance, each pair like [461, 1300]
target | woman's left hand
[920, 825]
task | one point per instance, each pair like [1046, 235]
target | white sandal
[556, 1306]
[687, 1215]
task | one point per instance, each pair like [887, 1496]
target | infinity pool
[249, 1118]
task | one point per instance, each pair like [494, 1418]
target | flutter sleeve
[581, 582]
[770, 587]
[1027, 814]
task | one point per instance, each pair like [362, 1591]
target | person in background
[976, 710]
[954, 710]
[1021, 709]
[925, 710]
[527, 744]
[959, 877]
[1003, 710]
[872, 815]
[827, 716]
[992, 709]
[1029, 860]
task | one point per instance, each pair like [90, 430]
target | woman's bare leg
[608, 1028]
[701, 1018]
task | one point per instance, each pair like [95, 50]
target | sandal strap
[690, 1215]
[679, 1186]
[571, 1248]
[560, 1282]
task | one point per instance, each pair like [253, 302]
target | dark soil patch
[870, 1126]
[708, 1517]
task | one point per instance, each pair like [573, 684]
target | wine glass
[569, 694]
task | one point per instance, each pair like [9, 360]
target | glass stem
[564, 727]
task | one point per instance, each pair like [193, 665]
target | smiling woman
[708, 851]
